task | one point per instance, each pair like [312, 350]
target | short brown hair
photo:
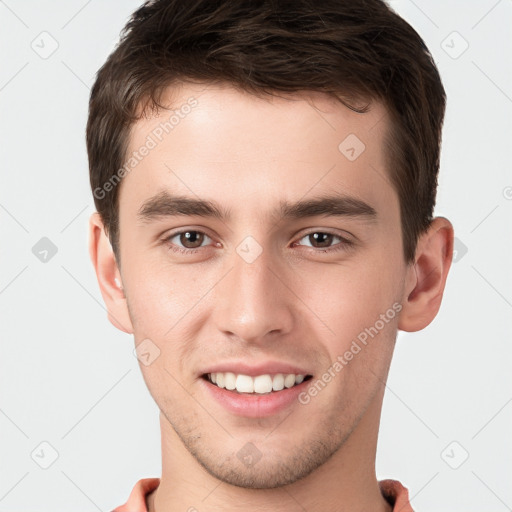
[349, 49]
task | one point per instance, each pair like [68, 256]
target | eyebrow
[166, 205]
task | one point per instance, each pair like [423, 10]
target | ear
[426, 277]
[107, 273]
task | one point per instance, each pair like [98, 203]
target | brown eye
[191, 239]
[329, 242]
[322, 240]
[185, 241]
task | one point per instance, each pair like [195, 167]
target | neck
[346, 482]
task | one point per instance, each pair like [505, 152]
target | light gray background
[70, 379]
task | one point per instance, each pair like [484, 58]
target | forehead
[218, 141]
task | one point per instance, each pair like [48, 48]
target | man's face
[259, 294]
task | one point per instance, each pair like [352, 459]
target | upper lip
[263, 368]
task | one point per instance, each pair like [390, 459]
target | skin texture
[293, 303]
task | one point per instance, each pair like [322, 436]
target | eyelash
[343, 245]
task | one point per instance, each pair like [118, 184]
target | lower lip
[255, 405]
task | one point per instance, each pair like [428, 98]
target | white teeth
[289, 380]
[244, 384]
[278, 382]
[260, 384]
[229, 380]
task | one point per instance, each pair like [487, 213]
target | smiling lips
[256, 390]
[259, 384]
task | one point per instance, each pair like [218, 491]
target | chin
[250, 468]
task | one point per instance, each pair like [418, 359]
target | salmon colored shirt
[394, 492]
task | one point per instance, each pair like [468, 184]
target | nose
[253, 303]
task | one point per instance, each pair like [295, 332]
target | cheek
[360, 309]
[162, 302]
[350, 298]
[159, 297]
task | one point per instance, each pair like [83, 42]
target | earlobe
[108, 275]
[426, 278]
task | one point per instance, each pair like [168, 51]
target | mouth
[265, 384]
